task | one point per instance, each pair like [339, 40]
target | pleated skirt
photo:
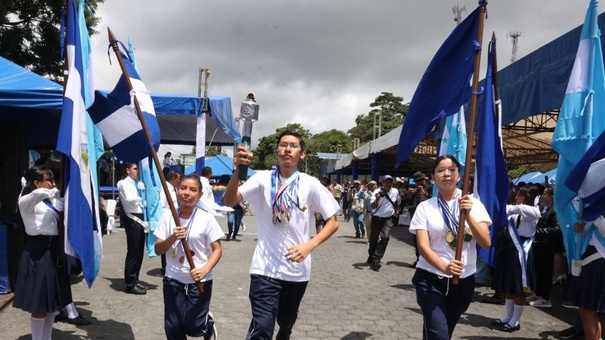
[42, 286]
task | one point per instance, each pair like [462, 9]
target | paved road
[345, 298]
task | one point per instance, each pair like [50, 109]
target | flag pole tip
[110, 34]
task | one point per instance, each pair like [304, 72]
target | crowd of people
[287, 203]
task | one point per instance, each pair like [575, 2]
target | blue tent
[221, 166]
[36, 102]
[530, 177]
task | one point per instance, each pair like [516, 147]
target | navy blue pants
[185, 310]
[271, 300]
[442, 303]
[135, 243]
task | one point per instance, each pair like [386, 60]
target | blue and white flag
[444, 87]
[587, 179]
[77, 141]
[152, 197]
[115, 115]
[491, 175]
[200, 142]
[453, 140]
[581, 120]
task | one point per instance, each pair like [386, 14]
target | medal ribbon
[450, 217]
[187, 228]
[285, 195]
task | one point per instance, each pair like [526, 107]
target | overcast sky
[319, 63]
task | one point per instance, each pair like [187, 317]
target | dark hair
[125, 166]
[529, 192]
[172, 174]
[194, 177]
[294, 134]
[36, 173]
[440, 158]
[550, 190]
[206, 171]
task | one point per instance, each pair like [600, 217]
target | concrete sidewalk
[345, 298]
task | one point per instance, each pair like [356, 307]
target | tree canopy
[30, 33]
[390, 107]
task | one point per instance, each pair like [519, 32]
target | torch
[248, 114]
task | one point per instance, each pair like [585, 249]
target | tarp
[537, 82]
[36, 102]
[221, 166]
[530, 177]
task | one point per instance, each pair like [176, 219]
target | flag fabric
[115, 115]
[491, 175]
[444, 87]
[587, 179]
[453, 140]
[580, 121]
[82, 224]
[200, 142]
[151, 196]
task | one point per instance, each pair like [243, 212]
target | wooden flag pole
[116, 48]
[471, 130]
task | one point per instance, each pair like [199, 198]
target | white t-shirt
[206, 189]
[204, 230]
[428, 217]
[269, 257]
[385, 208]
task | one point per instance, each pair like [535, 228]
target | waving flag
[588, 181]
[491, 175]
[453, 141]
[115, 115]
[81, 199]
[151, 196]
[444, 87]
[581, 120]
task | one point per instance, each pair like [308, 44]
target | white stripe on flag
[594, 180]
[579, 74]
[143, 97]
[200, 137]
[123, 123]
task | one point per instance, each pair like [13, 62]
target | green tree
[331, 141]
[30, 33]
[264, 154]
[390, 107]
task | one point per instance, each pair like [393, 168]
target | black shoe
[228, 238]
[142, 285]
[369, 260]
[62, 316]
[363, 235]
[136, 290]
[508, 328]
[356, 235]
[569, 333]
[80, 320]
[498, 322]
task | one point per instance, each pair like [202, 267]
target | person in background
[385, 213]
[358, 209]
[186, 309]
[512, 275]
[368, 194]
[207, 194]
[435, 224]
[173, 179]
[131, 217]
[346, 201]
[420, 194]
[234, 219]
[167, 161]
[543, 250]
[284, 200]
[42, 285]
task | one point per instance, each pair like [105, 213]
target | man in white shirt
[206, 187]
[385, 210]
[131, 217]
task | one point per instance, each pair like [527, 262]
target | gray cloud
[318, 63]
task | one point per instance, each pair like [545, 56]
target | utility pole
[457, 10]
[514, 36]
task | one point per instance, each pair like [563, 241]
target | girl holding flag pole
[186, 309]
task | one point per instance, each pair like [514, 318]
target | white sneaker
[531, 297]
[541, 303]
[214, 334]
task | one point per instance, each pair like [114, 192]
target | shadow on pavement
[356, 336]
[109, 329]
